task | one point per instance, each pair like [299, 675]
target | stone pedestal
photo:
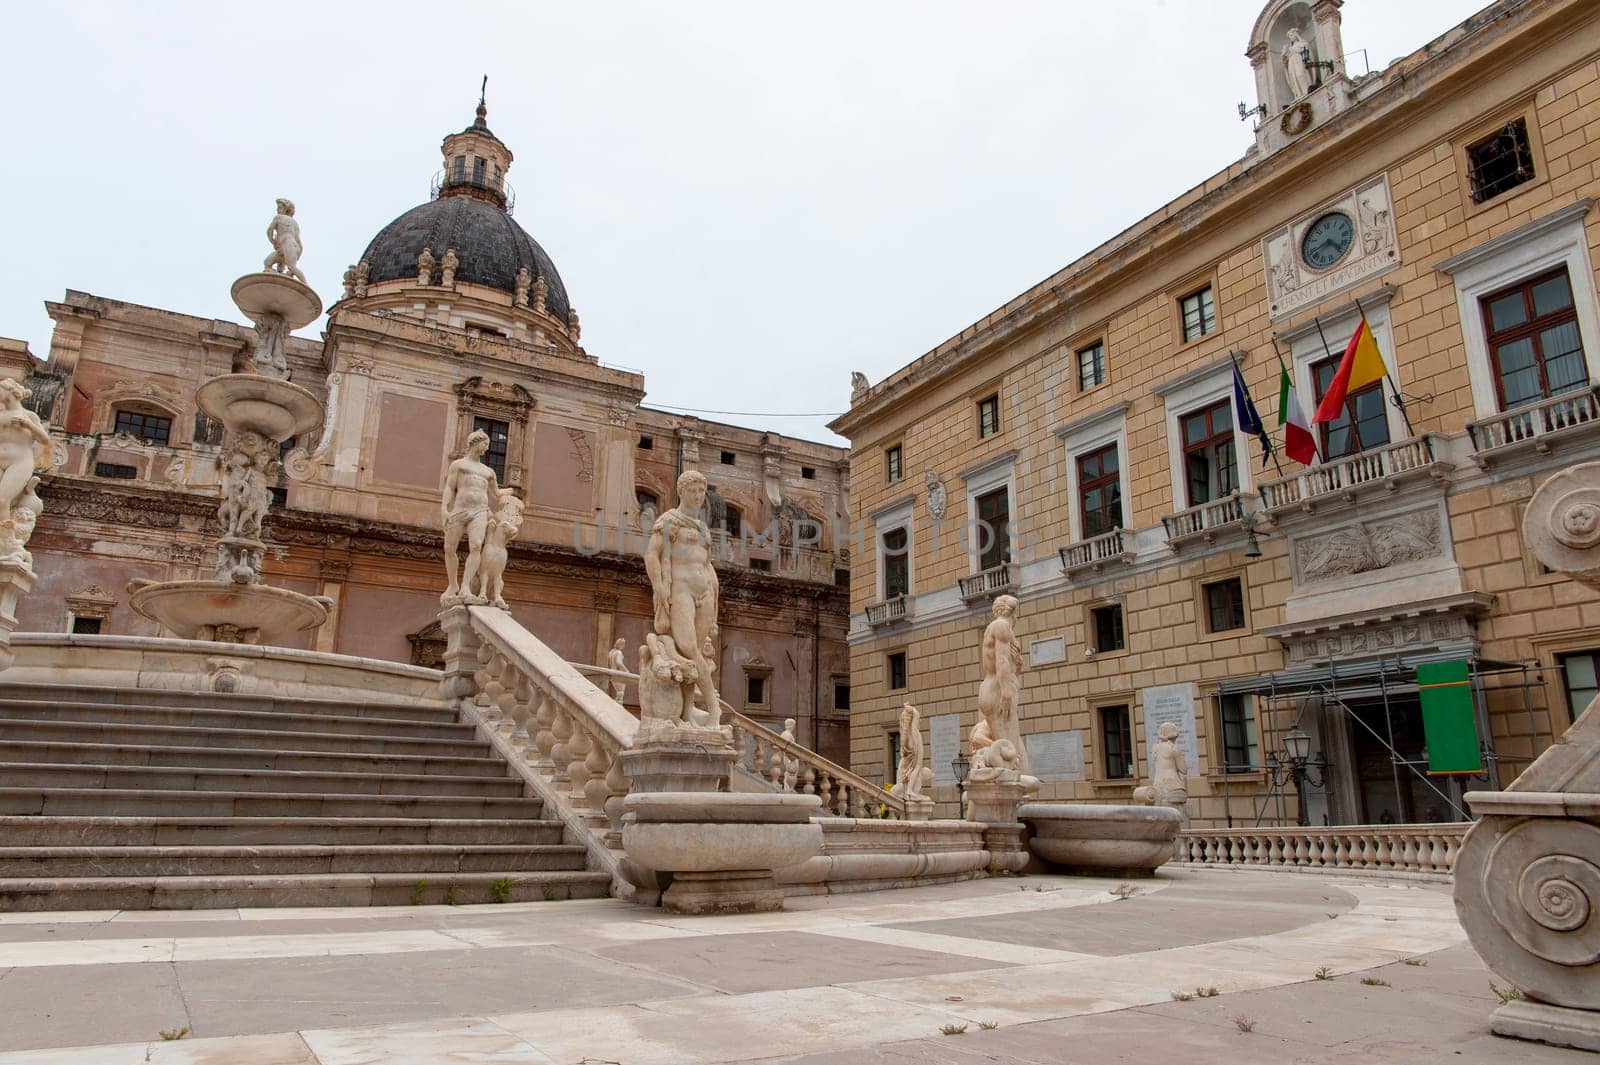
[717, 851]
[680, 766]
[995, 802]
[919, 808]
[1104, 840]
[16, 580]
[460, 680]
[1544, 1023]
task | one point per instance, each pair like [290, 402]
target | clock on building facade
[1327, 240]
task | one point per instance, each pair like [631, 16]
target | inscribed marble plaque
[1056, 755]
[1175, 703]
[944, 743]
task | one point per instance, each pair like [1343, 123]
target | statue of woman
[1000, 691]
[1170, 769]
[908, 774]
[24, 444]
[1297, 69]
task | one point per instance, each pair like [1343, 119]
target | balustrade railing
[1095, 551]
[1350, 472]
[1534, 424]
[889, 611]
[992, 581]
[1204, 520]
[1381, 848]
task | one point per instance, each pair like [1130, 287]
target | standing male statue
[1000, 692]
[617, 661]
[284, 233]
[684, 587]
[470, 492]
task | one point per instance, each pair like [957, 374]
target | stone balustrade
[1422, 849]
[1535, 427]
[890, 611]
[1096, 551]
[996, 580]
[1379, 467]
[1203, 522]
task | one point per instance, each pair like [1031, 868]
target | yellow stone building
[1079, 448]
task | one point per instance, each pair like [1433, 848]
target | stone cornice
[1573, 212]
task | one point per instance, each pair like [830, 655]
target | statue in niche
[425, 267]
[617, 660]
[447, 267]
[284, 233]
[1000, 691]
[908, 774]
[1299, 60]
[791, 764]
[470, 492]
[524, 281]
[24, 445]
[503, 526]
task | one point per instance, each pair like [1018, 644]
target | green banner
[1449, 724]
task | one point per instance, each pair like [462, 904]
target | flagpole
[1399, 400]
[1355, 426]
[1266, 439]
[1315, 450]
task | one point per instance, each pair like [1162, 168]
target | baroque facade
[453, 318]
[1165, 571]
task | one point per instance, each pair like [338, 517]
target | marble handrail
[1428, 848]
[762, 753]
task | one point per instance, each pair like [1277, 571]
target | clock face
[1327, 240]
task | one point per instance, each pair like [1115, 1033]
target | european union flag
[1245, 413]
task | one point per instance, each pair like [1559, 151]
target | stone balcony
[1091, 556]
[895, 611]
[1374, 472]
[986, 584]
[1224, 518]
[1536, 429]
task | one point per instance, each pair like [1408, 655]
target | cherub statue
[496, 548]
[447, 267]
[24, 444]
[425, 267]
[284, 233]
[617, 660]
[469, 487]
[908, 774]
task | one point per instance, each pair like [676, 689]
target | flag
[1246, 415]
[1298, 443]
[1361, 366]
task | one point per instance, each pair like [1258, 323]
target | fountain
[258, 411]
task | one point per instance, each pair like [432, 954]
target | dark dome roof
[489, 244]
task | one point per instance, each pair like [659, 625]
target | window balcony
[1381, 469]
[1097, 552]
[1207, 521]
[986, 584]
[1535, 429]
[896, 611]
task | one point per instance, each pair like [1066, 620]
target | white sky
[746, 201]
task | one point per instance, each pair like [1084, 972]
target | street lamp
[959, 766]
[1297, 765]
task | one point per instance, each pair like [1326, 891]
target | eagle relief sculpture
[1358, 549]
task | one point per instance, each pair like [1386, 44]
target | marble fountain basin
[194, 610]
[1100, 838]
[715, 831]
[260, 404]
[265, 292]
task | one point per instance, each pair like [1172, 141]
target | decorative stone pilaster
[16, 580]
[460, 680]
[1528, 875]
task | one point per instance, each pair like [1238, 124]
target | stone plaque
[1175, 703]
[1047, 652]
[944, 743]
[1056, 755]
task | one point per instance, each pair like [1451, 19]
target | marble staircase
[135, 798]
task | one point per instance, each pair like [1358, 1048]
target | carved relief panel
[1331, 249]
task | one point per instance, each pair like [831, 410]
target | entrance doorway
[1387, 793]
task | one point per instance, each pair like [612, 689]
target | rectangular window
[893, 467]
[647, 443]
[86, 626]
[727, 458]
[1199, 314]
[1580, 676]
[892, 749]
[808, 473]
[1116, 735]
[896, 564]
[994, 528]
[147, 428]
[280, 497]
[116, 471]
[897, 671]
[1208, 457]
[841, 694]
[762, 564]
[1091, 366]
[1363, 424]
[1099, 491]
[477, 169]
[499, 434]
[1225, 605]
[755, 691]
[988, 416]
[841, 577]
[1108, 631]
[1501, 161]
[1240, 747]
[1534, 345]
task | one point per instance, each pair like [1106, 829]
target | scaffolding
[1336, 684]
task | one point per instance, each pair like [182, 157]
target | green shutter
[1449, 723]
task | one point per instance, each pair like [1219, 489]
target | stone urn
[1101, 839]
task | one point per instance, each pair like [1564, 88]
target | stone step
[197, 757]
[132, 802]
[443, 729]
[192, 700]
[45, 831]
[133, 735]
[324, 889]
[34, 863]
[174, 778]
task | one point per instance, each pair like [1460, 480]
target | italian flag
[1298, 443]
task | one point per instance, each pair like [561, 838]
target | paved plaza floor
[1023, 969]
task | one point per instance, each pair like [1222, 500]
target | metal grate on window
[1501, 161]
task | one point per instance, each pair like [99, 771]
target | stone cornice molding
[1571, 213]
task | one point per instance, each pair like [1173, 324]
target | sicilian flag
[1298, 442]
[1361, 366]
[1246, 415]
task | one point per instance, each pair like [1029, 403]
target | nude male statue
[470, 492]
[617, 660]
[684, 585]
[284, 233]
[1001, 688]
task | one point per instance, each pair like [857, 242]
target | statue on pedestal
[1170, 774]
[1000, 691]
[791, 764]
[470, 494]
[908, 774]
[24, 445]
[524, 281]
[503, 526]
[1298, 59]
[616, 659]
[425, 267]
[284, 233]
[447, 267]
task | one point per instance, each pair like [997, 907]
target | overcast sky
[746, 201]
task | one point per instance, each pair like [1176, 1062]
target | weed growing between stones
[500, 890]
[953, 1029]
[419, 890]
